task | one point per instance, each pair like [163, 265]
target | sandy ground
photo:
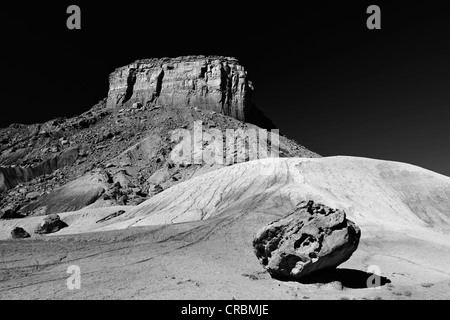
[193, 241]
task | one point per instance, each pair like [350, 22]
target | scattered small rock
[337, 285]
[19, 233]
[111, 216]
[407, 293]
[155, 189]
[11, 212]
[250, 276]
[123, 200]
[33, 195]
[427, 285]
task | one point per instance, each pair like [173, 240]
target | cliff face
[218, 84]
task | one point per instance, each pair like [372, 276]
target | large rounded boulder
[313, 238]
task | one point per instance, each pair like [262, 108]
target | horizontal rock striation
[213, 83]
[12, 176]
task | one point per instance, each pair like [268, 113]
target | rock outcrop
[11, 176]
[19, 233]
[52, 223]
[312, 238]
[11, 212]
[213, 83]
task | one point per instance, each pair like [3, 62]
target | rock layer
[11, 176]
[214, 83]
[312, 238]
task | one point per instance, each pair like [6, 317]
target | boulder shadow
[349, 278]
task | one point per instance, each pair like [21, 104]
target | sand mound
[194, 240]
[373, 193]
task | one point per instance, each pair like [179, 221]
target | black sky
[319, 73]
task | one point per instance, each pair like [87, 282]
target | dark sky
[319, 73]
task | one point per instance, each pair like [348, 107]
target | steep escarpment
[212, 83]
[11, 176]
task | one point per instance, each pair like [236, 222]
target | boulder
[19, 233]
[33, 195]
[155, 189]
[123, 178]
[311, 239]
[159, 176]
[52, 223]
[123, 199]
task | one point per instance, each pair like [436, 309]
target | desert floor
[185, 257]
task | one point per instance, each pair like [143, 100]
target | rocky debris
[111, 216]
[124, 179]
[89, 118]
[33, 195]
[311, 239]
[142, 152]
[19, 233]
[52, 223]
[155, 189]
[136, 105]
[123, 192]
[11, 212]
[113, 192]
[123, 199]
[159, 176]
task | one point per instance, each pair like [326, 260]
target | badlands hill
[124, 149]
[193, 240]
